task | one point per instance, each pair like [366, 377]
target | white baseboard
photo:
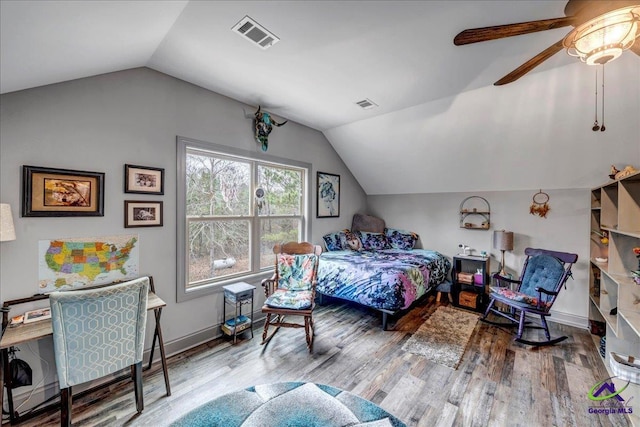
[195, 339]
[569, 319]
[42, 393]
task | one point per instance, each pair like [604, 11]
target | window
[233, 208]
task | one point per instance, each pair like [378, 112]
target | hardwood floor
[498, 383]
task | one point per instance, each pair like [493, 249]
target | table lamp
[503, 240]
[7, 231]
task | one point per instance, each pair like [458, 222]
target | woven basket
[625, 367]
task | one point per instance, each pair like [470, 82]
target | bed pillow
[401, 239]
[373, 241]
[336, 241]
[353, 240]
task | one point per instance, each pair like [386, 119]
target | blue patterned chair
[97, 332]
[292, 289]
[543, 275]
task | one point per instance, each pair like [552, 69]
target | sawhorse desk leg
[158, 334]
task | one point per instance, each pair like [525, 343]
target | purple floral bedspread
[390, 279]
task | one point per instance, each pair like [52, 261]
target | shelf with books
[614, 296]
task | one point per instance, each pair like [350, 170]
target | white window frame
[256, 274]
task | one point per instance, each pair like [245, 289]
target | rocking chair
[543, 275]
[291, 291]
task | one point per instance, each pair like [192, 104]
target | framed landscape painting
[143, 180]
[61, 192]
[328, 203]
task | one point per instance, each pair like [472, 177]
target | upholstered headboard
[369, 223]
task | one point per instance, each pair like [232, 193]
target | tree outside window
[236, 210]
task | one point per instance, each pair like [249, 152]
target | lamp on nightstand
[503, 240]
[7, 231]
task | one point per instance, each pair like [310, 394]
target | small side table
[237, 295]
[470, 278]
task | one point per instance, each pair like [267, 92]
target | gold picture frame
[50, 192]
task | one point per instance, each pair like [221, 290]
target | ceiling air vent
[367, 104]
[255, 33]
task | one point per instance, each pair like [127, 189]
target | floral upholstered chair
[543, 276]
[291, 290]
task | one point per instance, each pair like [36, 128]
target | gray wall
[101, 123]
[435, 218]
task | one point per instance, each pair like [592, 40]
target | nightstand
[237, 295]
[470, 278]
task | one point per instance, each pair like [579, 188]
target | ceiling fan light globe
[605, 37]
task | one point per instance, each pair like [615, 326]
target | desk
[24, 333]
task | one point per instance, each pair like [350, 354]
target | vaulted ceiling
[440, 125]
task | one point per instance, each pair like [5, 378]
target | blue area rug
[291, 404]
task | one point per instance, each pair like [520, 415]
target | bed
[382, 273]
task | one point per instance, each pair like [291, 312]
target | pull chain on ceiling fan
[602, 31]
[596, 127]
[602, 128]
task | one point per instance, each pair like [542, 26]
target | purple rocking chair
[543, 275]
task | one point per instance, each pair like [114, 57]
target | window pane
[217, 186]
[282, 191]
[218, 249]
[273, 231]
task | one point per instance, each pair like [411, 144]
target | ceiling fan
[594, 22]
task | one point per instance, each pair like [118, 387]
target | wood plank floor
[498, 383]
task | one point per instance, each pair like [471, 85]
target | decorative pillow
[401, 239]
[353, 240]
[336, 241]
[373, 241]
[296, 271]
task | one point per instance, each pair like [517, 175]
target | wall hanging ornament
[540, 205]
[260, 199]
[264, 125]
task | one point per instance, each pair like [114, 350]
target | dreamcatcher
[540, 205]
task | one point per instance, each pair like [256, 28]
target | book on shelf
[36, 315]
[236, 325]
[237, 321]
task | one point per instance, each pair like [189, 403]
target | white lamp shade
[7, 231]
[503, 240]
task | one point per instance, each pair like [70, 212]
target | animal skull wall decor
[264, 125]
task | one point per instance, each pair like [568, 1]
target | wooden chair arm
[269, 286]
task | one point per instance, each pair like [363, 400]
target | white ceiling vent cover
[255, 33]
[367, 104]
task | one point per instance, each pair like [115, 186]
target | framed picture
[143, 180]
[61, 192]
[140, 213]
[328, 204]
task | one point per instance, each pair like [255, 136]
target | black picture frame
[52, 192]
[143, 213]
[143, 180]
[328, 195]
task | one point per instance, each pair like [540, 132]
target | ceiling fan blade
[530, 64]
[476, 35]
[636, 47]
